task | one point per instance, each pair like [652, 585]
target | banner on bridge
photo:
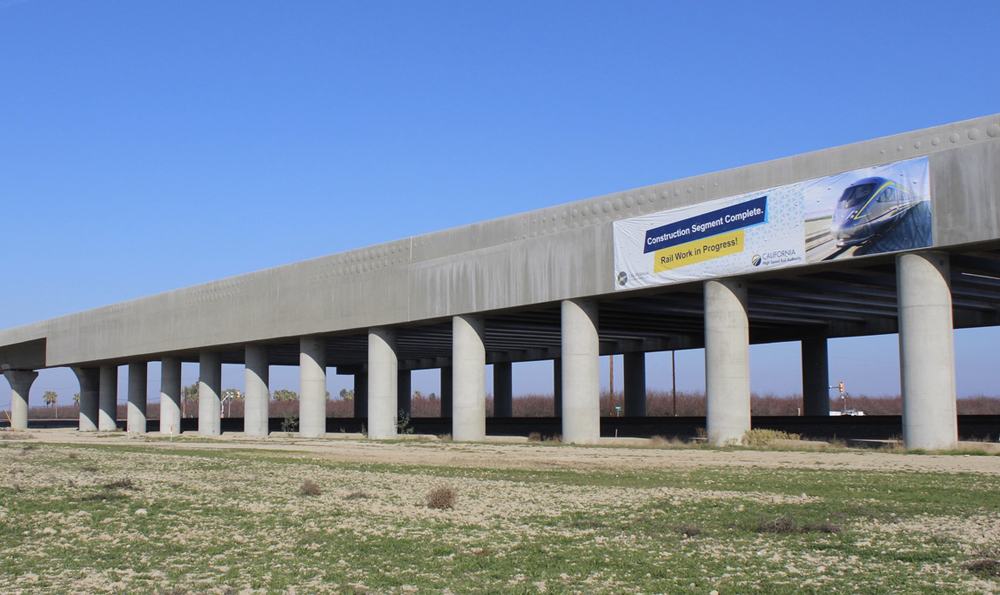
[866, 211]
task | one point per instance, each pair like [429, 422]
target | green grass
[145, 519]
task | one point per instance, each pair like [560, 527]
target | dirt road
[631, 454]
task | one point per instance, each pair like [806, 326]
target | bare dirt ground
[516, 454]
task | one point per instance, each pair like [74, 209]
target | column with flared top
[137, 397]
[209, 391]
[90, 380]
[256, 398]
[107, 415]
[312, 387]
[468, 362]
[383, 390]
[170, 396]
[727, 361]
[927, 351]
[815, 376]
[635, 384]
[20, 385]
[503, 389]
[581, 389]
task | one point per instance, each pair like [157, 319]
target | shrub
[120, 484]
[309, 488]
[290, 424]
[766, 437]
[779, 526]
[441, 497]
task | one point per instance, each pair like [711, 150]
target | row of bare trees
[285, 402]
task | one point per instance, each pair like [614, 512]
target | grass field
[138, 519]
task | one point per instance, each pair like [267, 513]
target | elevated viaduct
[573, 282]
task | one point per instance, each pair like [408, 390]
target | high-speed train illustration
[867, 207]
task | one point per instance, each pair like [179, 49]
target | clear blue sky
[148, 146]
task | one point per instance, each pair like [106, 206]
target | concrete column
[468, 361]
[209, 391]
[927, 351]
[503, 390]
[90, 380]
[727, 360]
[170, 396]
[581, 403]
[256, 396]
[557, 387]
[20, 385]
[361, 394]
[635, 384]
[447, 391]
[383, 375]
[312, 387]
[815, 377]
[107, 415]
[137, 397]
[404, 392]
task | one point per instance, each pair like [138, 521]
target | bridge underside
[834, 302]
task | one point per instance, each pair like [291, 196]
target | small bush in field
[766, 437]
[441, 497]
[310, 488]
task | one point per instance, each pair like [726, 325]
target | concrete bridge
[561, 284]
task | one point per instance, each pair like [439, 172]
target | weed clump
[779, 526]
[120, 484]
[310, 488]
[986, 564]
[441, 498]
[766, 437]
[787, 525]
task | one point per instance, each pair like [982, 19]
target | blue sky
[147, 146]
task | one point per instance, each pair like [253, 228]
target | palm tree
[51, 398]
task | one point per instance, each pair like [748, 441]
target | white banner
[877, 209]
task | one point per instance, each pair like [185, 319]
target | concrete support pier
[404, 393]
[170, 396]
[209, 391]
[469, 362]
[815, 377]
[90, 381]
[255, 389]
[312, 387]
[581, 402]
[137, 397]
[107, 415]
[927, 351]
[20, 385]
[361, 395]
[635, 384]
[383, 376]
[447, 391]
[503, 389]
[727, 361]
[557, 388]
